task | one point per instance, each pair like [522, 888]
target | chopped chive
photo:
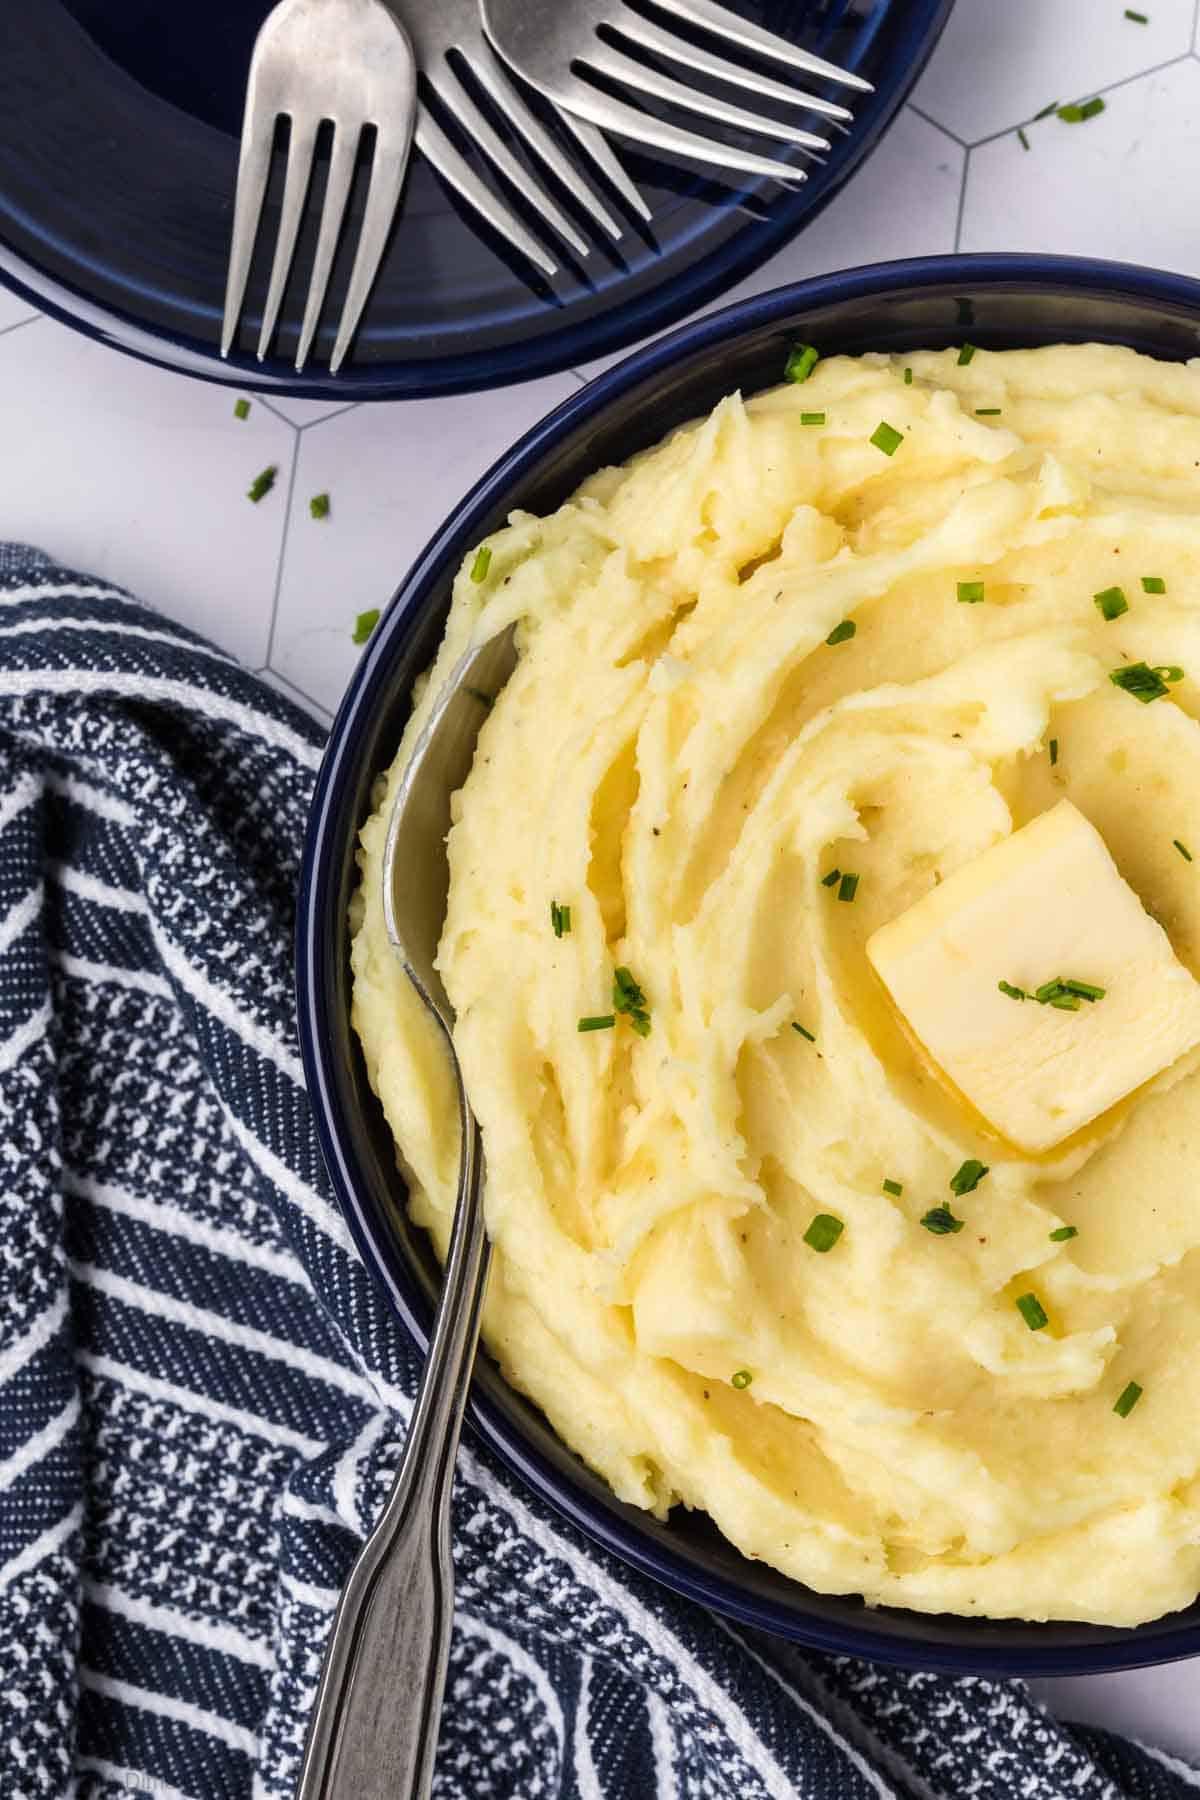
[1169, 671]
[801, 363]
[803, 1032]
[965, 354]
[1182, 849]
[365, 624]
[741, 1378]
[832, 879]
[987, 412]
[262, 484]
[1075, 115]
[823, 1233]
[970, 593]
[841, 634]
[560, 919]
[1051, 990]
[629, 999]
[1137, 17]
[482, 563]
[1111, 603]
[908, 377]
[941, 1221]
[1053, 751]
[1047, 110]
[242, 410]
[1023, 138]
[598, 1022]
[1032, 1311]
[1128, 1399]
[812, 418]
[968, 1177]
[847, 887]
[895, 1188]
[1153, 584]
[1062, 992]
[1064, 1233]
[1140, 680]
[318, 506]
[885, 437]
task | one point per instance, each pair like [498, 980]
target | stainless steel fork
[349, 62]
[555, 45]
[447, 34]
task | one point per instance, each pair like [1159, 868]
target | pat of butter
[1047, 902]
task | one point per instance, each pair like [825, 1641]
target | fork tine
[615, 115]
[295, 189]
[337, 192]
[383, 197]
[436, 147]
[254, 166]
[593, 141]
[627, 69]
[453, 94]
[486, 67]
[666, 43]
[752, 37]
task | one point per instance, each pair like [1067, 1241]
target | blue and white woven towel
[202, 1392]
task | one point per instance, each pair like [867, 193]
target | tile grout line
[1088, 93]
[937, 126]
[291, 686]
[285, 536]
[20, 324]
[275, 412]
[339, 412]
[962, 203]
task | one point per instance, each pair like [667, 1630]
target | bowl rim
[324, 858]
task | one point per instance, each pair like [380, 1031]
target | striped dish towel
[203, 1394]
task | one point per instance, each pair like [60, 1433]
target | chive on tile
[1078, 114]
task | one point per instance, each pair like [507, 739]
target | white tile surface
[141, 475]
[1001, 61]
[392, 474]
[1086, 189]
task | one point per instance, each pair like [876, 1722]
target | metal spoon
[374, 1727]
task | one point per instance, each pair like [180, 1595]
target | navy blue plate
[1001, 301]
[118, 154]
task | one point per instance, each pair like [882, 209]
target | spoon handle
[374, 1727]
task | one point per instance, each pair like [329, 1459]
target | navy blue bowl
[996, 301]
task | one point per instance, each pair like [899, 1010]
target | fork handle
[374, 1727]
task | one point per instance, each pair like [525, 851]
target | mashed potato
[681, 758]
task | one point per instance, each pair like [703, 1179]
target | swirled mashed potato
[680, 758]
